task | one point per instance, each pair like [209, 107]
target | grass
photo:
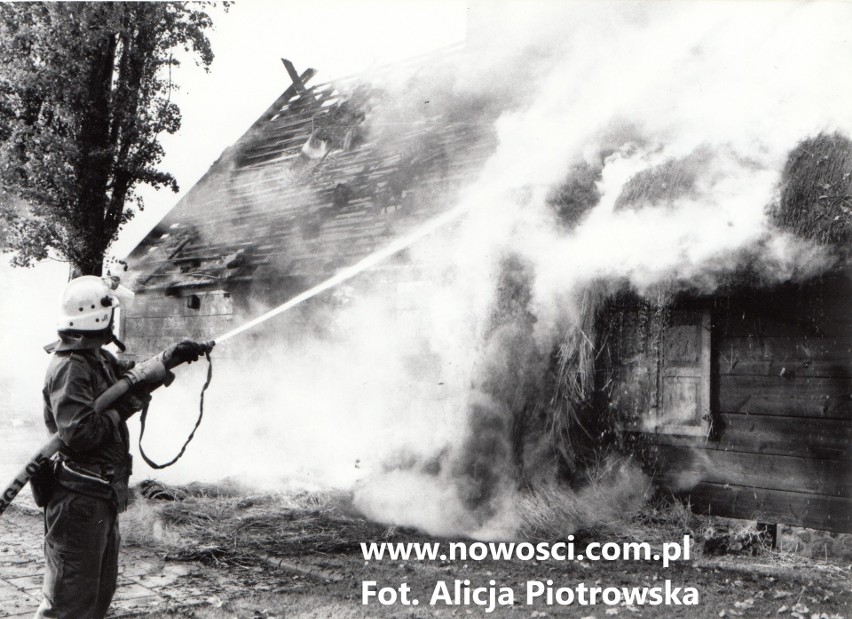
[606, 505]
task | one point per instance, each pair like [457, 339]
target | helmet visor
[124, 296]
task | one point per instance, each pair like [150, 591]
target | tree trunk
[96, 160]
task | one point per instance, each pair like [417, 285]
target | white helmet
[88, 303]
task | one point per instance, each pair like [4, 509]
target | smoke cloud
[410, 392]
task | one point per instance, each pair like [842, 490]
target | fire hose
[146, 377]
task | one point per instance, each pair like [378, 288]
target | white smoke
[380, 399]
[743, 83]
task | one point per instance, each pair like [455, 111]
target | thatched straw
[575, 380]
[816, 191]
[660, 185]
[577, 194]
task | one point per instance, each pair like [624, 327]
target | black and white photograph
[426, 308]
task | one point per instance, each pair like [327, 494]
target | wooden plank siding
[784, 411]
[829, 439]
[757, 471]
[788, 357]
[159, 321]
[776, 506]
[794, 397]
[780, 445]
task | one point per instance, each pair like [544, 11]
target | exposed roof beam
[294, 76]
[285, 96]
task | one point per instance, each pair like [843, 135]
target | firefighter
[90, 476]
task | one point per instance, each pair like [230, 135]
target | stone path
[145, 582]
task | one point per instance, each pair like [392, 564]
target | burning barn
[736, 393]
[310, 188]
[742, 396]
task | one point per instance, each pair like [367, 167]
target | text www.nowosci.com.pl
[525, 551]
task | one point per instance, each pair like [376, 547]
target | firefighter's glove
[188, 351]
[131, 404]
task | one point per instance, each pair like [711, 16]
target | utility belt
[96, 480]
[96, 473]
[106, 481]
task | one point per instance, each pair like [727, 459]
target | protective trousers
[81, 554]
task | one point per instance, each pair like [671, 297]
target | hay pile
[224, 525]
[815, 199]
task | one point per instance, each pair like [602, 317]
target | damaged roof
[323, 178]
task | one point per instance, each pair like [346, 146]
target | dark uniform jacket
[95, 453]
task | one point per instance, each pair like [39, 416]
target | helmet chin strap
[118, 343]
[112, 337]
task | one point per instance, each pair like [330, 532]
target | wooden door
[683, 405]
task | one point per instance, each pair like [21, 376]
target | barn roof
[814, 197]
[316, 183]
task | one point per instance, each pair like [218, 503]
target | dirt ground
[263, 558]
[738, 589]
[335, 589]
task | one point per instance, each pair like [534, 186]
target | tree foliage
[84, 96]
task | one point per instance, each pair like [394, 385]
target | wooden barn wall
[158, 321]
[777, 448]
